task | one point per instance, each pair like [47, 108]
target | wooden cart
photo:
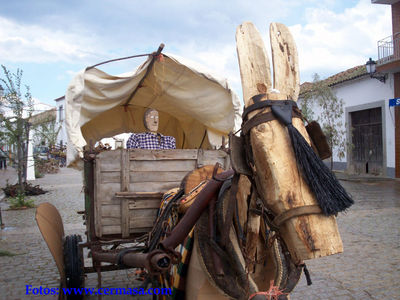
[124, 188]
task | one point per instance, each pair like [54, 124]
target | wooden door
[366, 132]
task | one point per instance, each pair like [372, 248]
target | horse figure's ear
[285, 61]
[254, 64]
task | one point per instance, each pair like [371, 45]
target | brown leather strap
[261, 101]
[231, 211]
[212, 232]
[263, 118]
[256, 120]
[296, 212]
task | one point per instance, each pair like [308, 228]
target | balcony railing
[389, 49]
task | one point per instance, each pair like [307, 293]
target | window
[60, 113]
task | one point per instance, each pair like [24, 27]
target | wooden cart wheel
[73, 259]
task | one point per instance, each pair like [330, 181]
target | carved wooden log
[281, 184]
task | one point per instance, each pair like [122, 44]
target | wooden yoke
[280, 182]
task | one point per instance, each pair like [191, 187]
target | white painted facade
[60, 120]
[365, 93]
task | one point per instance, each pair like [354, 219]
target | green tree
[330, 118]
[17, 106]
[306, 106]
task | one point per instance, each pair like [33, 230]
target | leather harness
[283, 111]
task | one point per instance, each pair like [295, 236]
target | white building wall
[62, 135]
[365, 93]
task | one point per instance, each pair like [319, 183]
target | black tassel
[331, 196]
[307, 274]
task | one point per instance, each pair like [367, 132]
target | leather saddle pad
[193, 183]
[234, 282]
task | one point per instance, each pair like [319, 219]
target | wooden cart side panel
[140, 154]
[113, 210]
[184, 165]
[109, 160]
[145, 176]
[210, 157]
[180, 159]
[97, 198]
[143, 187]
[116, 229]
[125, 187]
[138, 218]
[107, 193]
[141, 171]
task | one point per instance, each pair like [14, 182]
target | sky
[51, 40]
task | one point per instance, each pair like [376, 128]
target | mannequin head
[150, 120]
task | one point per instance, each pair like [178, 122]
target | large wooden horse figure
[252, 240]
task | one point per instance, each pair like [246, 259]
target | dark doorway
[366, 133]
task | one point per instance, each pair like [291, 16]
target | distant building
[60, 120]
[368, 121]
[372, 126]
[41, 117]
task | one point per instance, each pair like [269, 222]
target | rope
[204, 136]
[272, 294]
[117, 59]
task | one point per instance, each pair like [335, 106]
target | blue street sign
[394, 102]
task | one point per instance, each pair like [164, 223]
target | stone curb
[358, 178]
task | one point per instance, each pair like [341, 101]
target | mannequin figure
[150, 139]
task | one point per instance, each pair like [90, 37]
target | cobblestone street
[369, 268]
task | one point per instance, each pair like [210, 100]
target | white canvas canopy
[194, 106]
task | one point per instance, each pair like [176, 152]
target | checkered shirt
[148, 140]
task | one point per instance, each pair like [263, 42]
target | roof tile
[347, 75]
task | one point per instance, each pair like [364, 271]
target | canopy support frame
[155, 55]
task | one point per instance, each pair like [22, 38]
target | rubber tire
[74, 265]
